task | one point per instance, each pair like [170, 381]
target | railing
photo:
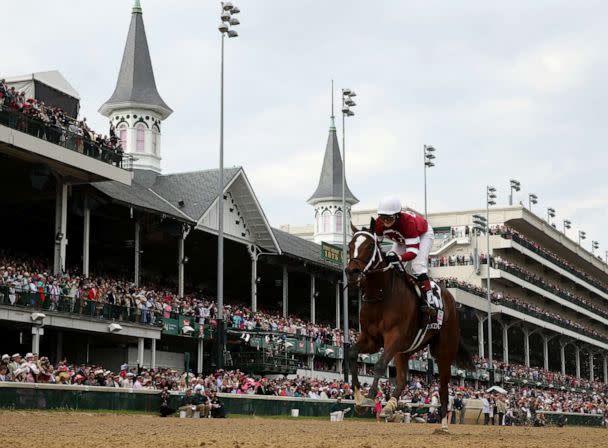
[554, 260]
[78, 307]
[62, 136]
[529, 311]
[522, 275]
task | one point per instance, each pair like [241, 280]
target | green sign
[171, 326]
[331, 253]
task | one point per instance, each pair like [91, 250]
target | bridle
[376, 257]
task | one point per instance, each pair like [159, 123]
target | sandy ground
[83, 430]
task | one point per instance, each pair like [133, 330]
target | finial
[137, 7]
[332, 97]
[332, 124]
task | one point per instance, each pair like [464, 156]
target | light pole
[515, 186]
[347, 103]
[479, 226]
[594, 245]
[567, 225]
[550, 214]
[428, 163]
[490, 200]
[532, 199]
[581, 236]
[227, 20]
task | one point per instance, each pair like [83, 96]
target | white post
[199, 358]
[313, 302]
[140, 352]
[86, 237]
[505, 343]
[480, 339]
[137, 252]
[180, 265]
[285, 291]
[577, 358]
[526, 332]
[61, 216]
[591, 373]
[338, 305]
[546, 351]
[153, 353]
[35, 339]
[562, 355]
[254, 254]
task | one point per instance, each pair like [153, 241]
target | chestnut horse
[391, 319]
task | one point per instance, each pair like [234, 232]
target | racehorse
[391, 319]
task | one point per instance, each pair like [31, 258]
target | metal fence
[63, 136]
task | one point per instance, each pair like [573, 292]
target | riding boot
[428, 302]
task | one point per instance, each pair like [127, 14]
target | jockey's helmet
[389, 206]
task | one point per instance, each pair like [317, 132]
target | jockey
[412, 239]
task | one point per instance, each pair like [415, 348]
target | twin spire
[136, 86]
[330, 181]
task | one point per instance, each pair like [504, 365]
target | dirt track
[82, 430]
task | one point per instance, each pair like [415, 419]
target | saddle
[429, 314]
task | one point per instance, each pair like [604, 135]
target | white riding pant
[420, 264]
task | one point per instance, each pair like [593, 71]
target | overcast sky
[502, 90]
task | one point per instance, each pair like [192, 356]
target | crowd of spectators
[498, 262]
[509, 233]
[28, 282]
[500, 298]
[54, 125]
[520, 403]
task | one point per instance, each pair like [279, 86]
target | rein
[371, 266]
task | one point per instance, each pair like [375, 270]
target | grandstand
[106, 260]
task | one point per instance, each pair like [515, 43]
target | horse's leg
[401, 365]
[444, 349]
[391, 346]
[363, 345]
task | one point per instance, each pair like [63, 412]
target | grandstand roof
[136, 86]
[330, 182]
[301, 248]
[52, 78]
[191, 196]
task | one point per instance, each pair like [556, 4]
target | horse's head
[363, 252]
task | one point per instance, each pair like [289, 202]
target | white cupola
[327, 198]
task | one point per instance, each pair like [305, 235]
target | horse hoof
[441, 431]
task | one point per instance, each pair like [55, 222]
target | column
[591, 373]
[140, 352]
[338, 305]
[577, 358]
[313, 300]
[254, 254]
[153, 353]
[505, 342]
[285, 291]
[199, 357]
[61, 216]
[37, 331]
[59, 350]
[86, 234]
[137, 249]
[546, 340]
[181, 264]
[526, 332]
[605, 369]
[562, 356]
[480, 339]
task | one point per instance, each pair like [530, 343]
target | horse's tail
[464, 360]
